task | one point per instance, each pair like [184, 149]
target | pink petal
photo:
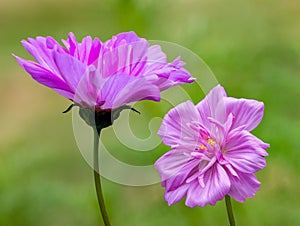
[88, 92]
[176, 195]
[246, 113]
[156, 55]
[217, 185]
[243, 152]
[156, 59]
[123, 89]
[70, 69]
[175, 167]
[126, 58]
[72, 45]
[244, 186]
[53, 45]
[213, 106]
[168, 74]
[84, 49]
[41, 49]
[237, 137]
[259, 146]
[176, 125]
[46, 77]
[87, 52]
[180, 175]
[94, 51]
[171, 163]
[129, 54]
[122, 38]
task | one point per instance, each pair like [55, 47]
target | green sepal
[102, 118]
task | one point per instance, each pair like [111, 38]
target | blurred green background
[253, 48]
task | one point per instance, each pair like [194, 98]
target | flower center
[203, 146]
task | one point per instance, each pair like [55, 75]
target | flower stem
[229, 210]
[98, 179]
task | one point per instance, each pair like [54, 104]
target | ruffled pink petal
[46, 77]
[84, 49]
[94, 51]
[122, 89]
[259, 146]
[244, 186]
[175, 167]
[126, 53]
[156, 60]
[217, 185]
[182, 175]
[126, 58]
[42, 49]
[213, 106]
[155, 55]
[243, 152]
[87, 52]
[177, 194]
[121, 39]
[171, 74]
[171, 163]
[246, 113]
[88, 92]
[176, 128]
[72, 45]
[70, 69]
[53, 45]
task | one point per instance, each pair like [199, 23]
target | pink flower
[103, 75]
[213, 152]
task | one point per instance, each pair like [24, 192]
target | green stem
[98, 179]
[229, 210]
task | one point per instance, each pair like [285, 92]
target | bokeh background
[253, 48]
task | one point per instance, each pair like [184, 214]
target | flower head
[213, 152]
[103, 75]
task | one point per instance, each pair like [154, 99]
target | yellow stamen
[203, 147]
[211, 141]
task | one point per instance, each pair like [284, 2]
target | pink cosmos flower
[213, 152]
[103, 75]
